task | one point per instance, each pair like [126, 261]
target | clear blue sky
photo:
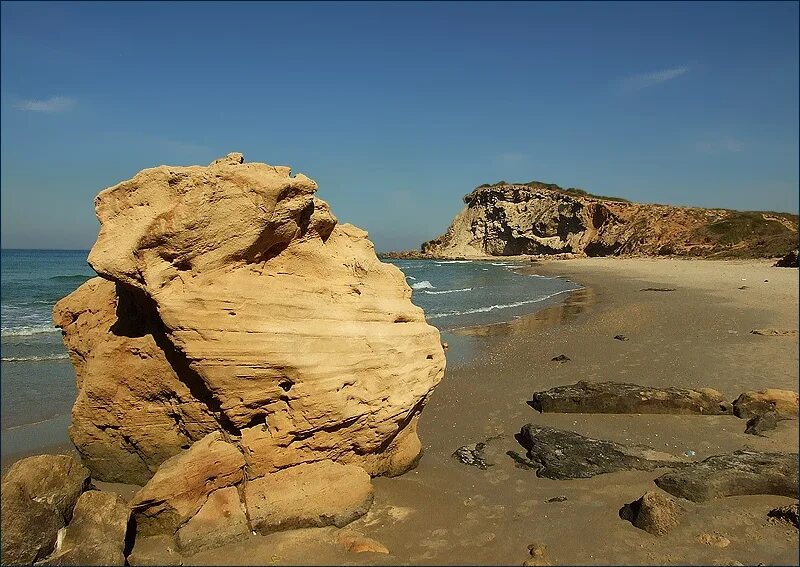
[398, 110]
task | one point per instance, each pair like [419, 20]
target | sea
[38, 380]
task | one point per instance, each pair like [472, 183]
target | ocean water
[38, 380]
[464, 293]
[36, 377]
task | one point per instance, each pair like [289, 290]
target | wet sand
[445, 512]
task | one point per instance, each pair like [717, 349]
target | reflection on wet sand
[577, 302]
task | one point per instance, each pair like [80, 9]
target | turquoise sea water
[38, 381]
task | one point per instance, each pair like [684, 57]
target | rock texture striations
[238, 330]
[540, 218]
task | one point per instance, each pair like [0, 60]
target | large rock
[618, 397]
[183, 484]
[735, 474]
[29, 527]
[783, 402]
[55, 480]
[235, 302]
[653, 512]
[308, 495]
[97, 533]
[559, 454]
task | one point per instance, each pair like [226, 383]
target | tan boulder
[55, 480]
[96, 534]
[242, 306]
[183, 483]
[308, 495]
[221, 520]
[654, 513]
[359, 543]
[29, 528]
[783, 402]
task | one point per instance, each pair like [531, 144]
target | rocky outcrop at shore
[540, 218]
[618, 397]
[239, 333]
[735, 474]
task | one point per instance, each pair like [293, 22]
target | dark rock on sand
[621, 337]
[618, 397]
[472, 455]
[481, 455]
[654, 513]
[556, 499]
[560, 358]
[658, 289]
[788, 261]
[734, 474]
[786, 513]
[751, 404]
[760, 424]
[29, 527]
[96, 535]
[560, 455]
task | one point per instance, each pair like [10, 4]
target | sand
[698, 335]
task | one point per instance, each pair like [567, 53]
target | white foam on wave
[34, 358]
[27, 330]
[454, 262]
[499, 306]
[424, 284]
[410, 278]
[448, 291]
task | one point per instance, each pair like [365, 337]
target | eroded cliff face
[536, 218]
[230, 301]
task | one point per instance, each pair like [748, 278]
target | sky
[397, 110]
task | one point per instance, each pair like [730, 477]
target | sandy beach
[698, 335]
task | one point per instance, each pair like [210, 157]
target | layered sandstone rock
[237, 330]
[541, 218]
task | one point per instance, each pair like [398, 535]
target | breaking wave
[448, 291]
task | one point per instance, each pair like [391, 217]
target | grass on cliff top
[574, 191]
[749, 234]
[744, 225]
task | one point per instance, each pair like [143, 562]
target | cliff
[538, 218]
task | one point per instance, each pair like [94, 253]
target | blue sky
[398, 110]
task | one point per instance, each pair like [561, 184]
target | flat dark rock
[786, 513]
[658, 289]
[619, 397]
[621, 337]
[560, 455]
[760, 424]
[734, 474]
[788, 261]
[560, 358]
[472, 455]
